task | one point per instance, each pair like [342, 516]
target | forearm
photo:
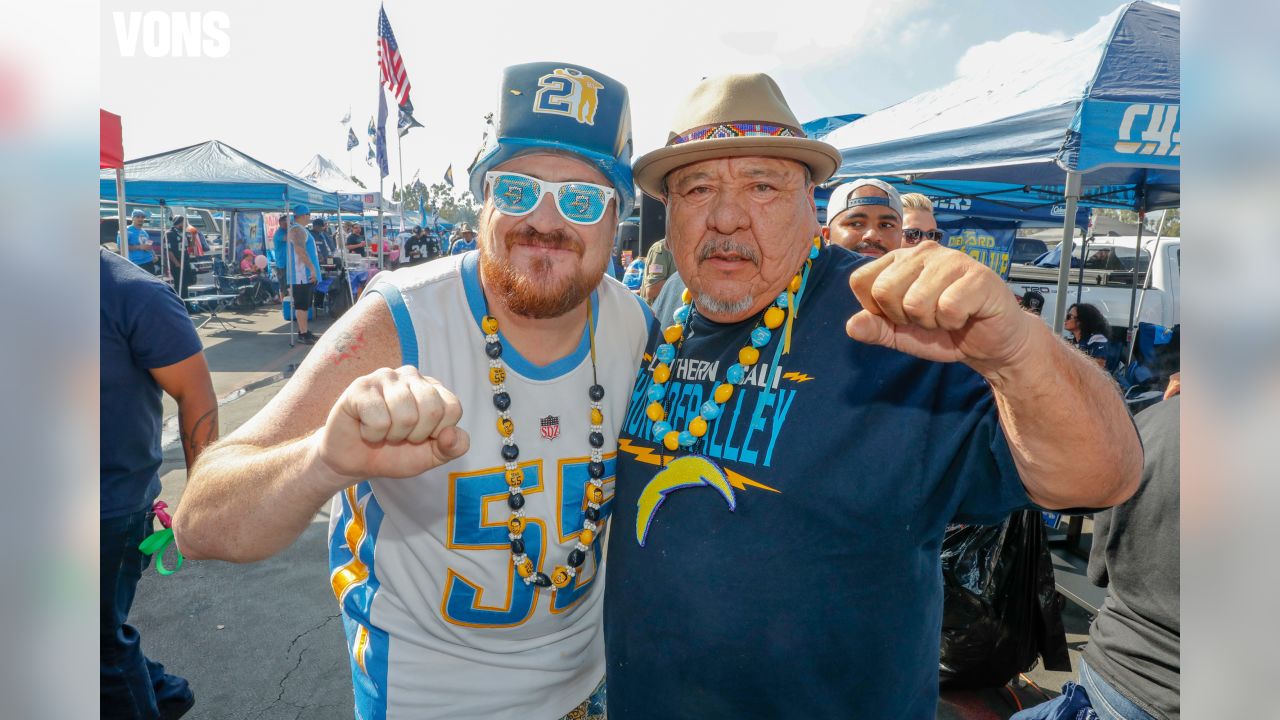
[1067, 426]
[244, 503]
[198, 424]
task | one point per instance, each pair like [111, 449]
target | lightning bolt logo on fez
[687, 472]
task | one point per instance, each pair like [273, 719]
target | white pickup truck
[1107, 277]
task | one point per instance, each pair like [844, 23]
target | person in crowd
[670, 299]
[304, 271]
[466, 241]
[181, 270]
[1131, 669]
[280, 250]
[139, 240]
[147, 346]
[324, 241]
[1088, 328]
[448, 615]
[865, 216]
[658, 265]
[249, 266]
[433, 244]
[196, 247]
[415, 248]
[737, 477]
[918, 223]
[356, 242]
[1032, 301]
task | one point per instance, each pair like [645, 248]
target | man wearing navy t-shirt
[148, 345]
[782, 489]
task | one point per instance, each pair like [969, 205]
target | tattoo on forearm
[202, 434]
[348, 346]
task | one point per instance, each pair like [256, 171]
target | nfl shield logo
[550, 427]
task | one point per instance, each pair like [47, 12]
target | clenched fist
[392, 423]
[939, 304]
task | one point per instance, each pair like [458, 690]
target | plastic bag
[1000, 606]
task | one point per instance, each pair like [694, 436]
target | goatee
[538, 294]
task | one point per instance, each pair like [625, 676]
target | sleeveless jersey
[438, 622]
[299, 272]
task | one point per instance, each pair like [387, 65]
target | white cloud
[1011, 51]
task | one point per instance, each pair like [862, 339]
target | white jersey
[438, 623]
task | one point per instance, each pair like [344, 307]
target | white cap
[842, 197]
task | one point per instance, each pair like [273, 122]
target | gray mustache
[728, 245]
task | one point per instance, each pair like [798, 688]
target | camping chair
[1156, 354]
[333, 293]
[240, 286]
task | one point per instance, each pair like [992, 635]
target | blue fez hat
[556, 106]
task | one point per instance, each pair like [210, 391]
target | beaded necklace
[782, 311]
[563, 574]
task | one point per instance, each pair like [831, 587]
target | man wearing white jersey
[463, 418]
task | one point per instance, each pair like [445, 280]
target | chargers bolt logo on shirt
[567, 91]
[685, 472]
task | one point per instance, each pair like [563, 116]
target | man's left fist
[939, 304]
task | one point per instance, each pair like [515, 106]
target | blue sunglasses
[516, 195]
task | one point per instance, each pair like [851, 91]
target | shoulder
[614, 295]
[425, 277]
[1097, 339]
[829, 278]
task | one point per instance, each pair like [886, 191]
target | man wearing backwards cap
[304, 270]
[865, 216]
[776, 537]
[467, 525]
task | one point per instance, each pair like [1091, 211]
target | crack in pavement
[305, 632]
[280, 698]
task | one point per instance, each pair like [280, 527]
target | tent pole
[166, 218]
[1146, 284]
[377, 233]
[1072, 194]
[1133, 287]
[122, 244]
[1084, 254]
[182, 254]
[288, 274]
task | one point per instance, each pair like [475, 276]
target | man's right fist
[391, 423]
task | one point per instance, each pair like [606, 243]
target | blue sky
[294, 69]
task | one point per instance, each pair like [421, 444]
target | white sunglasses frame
[549, 188]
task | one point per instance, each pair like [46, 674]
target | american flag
[390, 63]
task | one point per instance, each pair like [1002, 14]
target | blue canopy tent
[1090, 121]
[214, 175]
[949, 207]
[824, 126]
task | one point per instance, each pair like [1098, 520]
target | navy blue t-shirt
[143, 326]
[820, 594]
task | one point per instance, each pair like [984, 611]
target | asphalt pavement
[264, 641]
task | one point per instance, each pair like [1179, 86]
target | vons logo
[173, 34]
[1162, 136]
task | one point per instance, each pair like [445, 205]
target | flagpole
[400, 164]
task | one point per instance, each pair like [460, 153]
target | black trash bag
[1000, 606]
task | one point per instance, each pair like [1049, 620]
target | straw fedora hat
[734, 116]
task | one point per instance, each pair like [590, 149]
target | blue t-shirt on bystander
[142, 326]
